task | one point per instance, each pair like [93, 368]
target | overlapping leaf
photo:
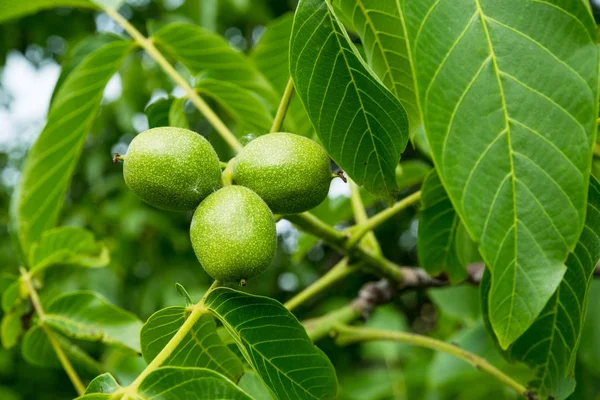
[201, 347]
[248, 110]
[440, 242]
[512, 147]
[275, 344]
[67, 245]
[201, 50]
[87, 315]
[53, 157]
[550, 344]
[381, 27]
[361, 124]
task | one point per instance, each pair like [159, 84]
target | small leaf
[411, 172]
[13, 295]
[13, 9]
[53, 157]
[89, 316]
[177, 116]
[361, 124]
[10, 328]
[158, 112]
[201, 347]
[104, 383]
[184, 294]
[438, 241]
[275, 344]
[251, 384]
[37, 350]
[245, 107]
[67, 245]
[177, 383]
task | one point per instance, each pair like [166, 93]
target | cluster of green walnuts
[233, 228]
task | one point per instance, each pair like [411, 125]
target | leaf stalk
[283, 106]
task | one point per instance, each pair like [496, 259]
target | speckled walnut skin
[171, 168]
[233, 234]
[290, 172]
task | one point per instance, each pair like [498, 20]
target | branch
[361, 218]
[346, 335]
[283, 106]
[62, 357]
[200, 104]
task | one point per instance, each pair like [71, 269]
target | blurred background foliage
[150, 249]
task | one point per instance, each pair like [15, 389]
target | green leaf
[440, 230]
[275, 344]
[360, 123]
[271, 58]
[89, 316]
[251, 384]
[512, 149]
[247, 109]
[411, 172]
[201, 347]
[177, 383]
[550, 344]
[37, 350]
[13, 295]
[177, 116]
[53, 157]
[158, 112]
[10, 328]
[67, 245]
[104, 383]
[12, 9]
[184, 294]
[201, 50]
[381, 27]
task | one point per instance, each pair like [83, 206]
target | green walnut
[291, 173]
[233, 234]
[171, 168]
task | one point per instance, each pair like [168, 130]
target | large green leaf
[248, 110]
[275, 344]
[178, 383]
[361, 124]
[37, 350]
[87, 315]
[201, 347]
[271, 58]
[11, 9]
[67, 245]
[201, 50]
[512, 147]
[550, 344]
[54, 155]
[381, 27]
[441, 238]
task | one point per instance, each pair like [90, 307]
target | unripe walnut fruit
[289, 172]
[233, 234]
[171, 168]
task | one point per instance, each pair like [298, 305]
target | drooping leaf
[201, 347]
[360, 123]
[248, 110]
[178, 383]
[201, 50]
[512, 148]
[440, 232]
[275, 344]
[177, 116]
[158, 112]
[53, 157]
[87, 315]
[67, 245]
[104, 383]
[551, 343]
[270, 55]
[381, 27]
[37, 350]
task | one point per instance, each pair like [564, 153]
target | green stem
[335, 274]
[62, 357]
[350, 334]
[313, 225]
[360, 216]
[200, 104]
[358, 231]
[283, 106]
[197, 310]
[318, 328]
